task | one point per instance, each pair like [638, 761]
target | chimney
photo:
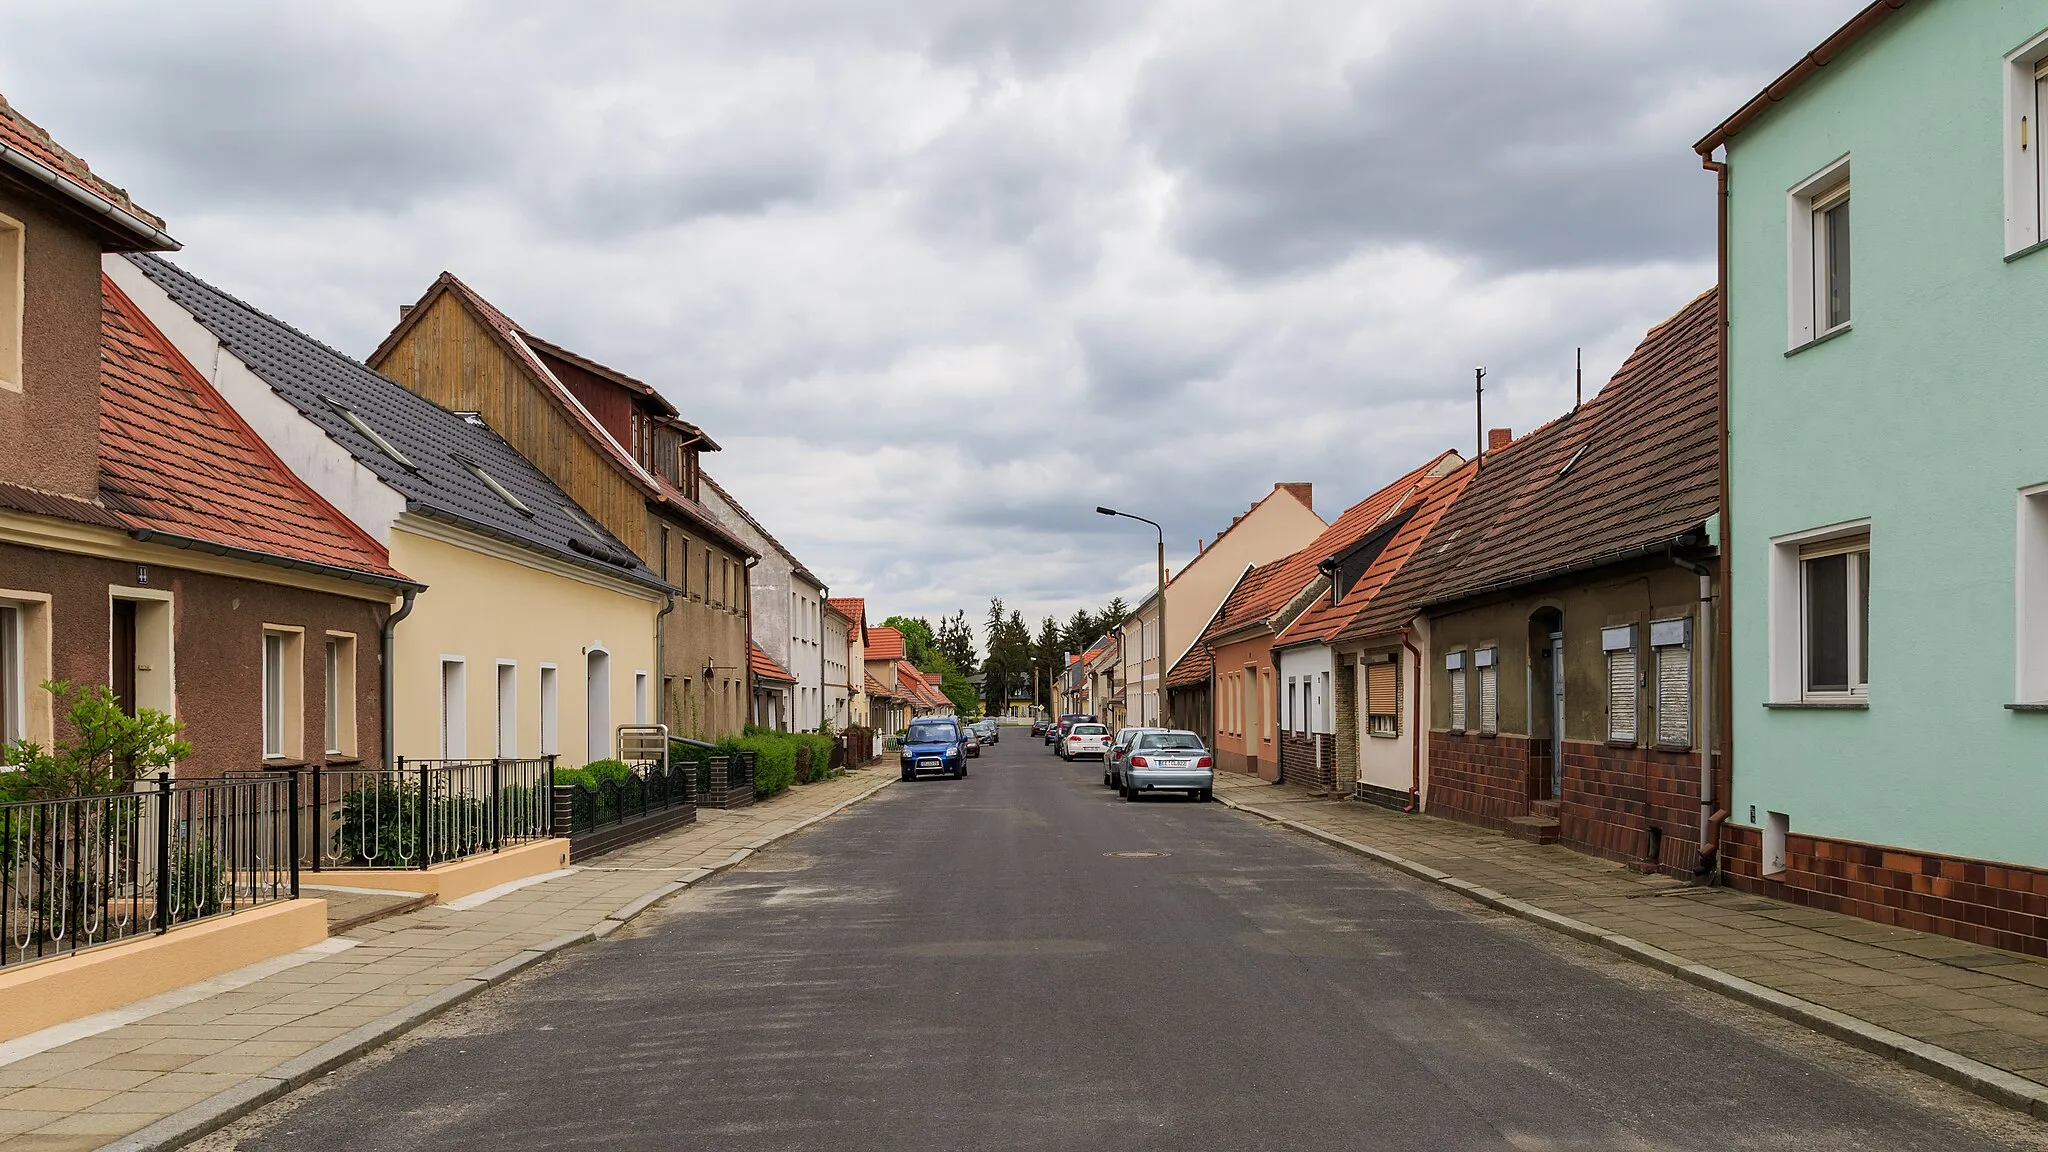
[1198, 546]
[404, 310]
[1499, 438]
[1303, 491]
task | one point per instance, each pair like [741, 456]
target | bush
[594, 773]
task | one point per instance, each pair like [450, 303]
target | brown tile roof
[1192, 668]
[1323, 620]
[853, 608]
[1198, 662]
[176, 459]
[875, 687]
[23, 138]
[915, 687]
[1286, 578]
[884, 643]
[1635, 467]
[764, 666]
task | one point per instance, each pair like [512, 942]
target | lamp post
[1160, 688]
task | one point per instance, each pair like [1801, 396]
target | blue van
[934, 745]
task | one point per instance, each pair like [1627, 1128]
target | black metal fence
[92, 870]
[424, 812]
[642, 789]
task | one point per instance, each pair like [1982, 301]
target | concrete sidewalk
[1974, 1016]
[167, 1071]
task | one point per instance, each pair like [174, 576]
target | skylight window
[582, 523]
[491, 482]
[1574, 460]
[364, 430]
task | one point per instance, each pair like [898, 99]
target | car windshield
[1172, 742]
[930, 733]
[1090, 730]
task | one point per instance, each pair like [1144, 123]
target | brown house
[149, 540]
[1563, 599]
[624, 454]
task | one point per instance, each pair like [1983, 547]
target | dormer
[637, 416]
[56, 219]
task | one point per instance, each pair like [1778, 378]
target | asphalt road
[967, 964]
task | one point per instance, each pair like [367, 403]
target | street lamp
[1161, 687]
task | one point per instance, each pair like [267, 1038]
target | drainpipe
[660, 669]
[386, 642]
[1722, 670]
[1709, 825]
[747, 655]
[1414, 726]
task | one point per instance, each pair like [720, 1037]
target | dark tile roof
[1634, 467]
[176, 459]
[308, 374]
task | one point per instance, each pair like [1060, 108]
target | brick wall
[1309, 760]
[1481, 780]
[1614, 797]
[1346, 707]
[1995, 905]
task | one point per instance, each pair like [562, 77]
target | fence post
[163, 852]
[426, 822]
[319, 812]
[292, 807]
[497, 811]
[550, 817]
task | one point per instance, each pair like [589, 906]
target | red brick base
[1483, 780]
[1301, 764]
[1996, 905]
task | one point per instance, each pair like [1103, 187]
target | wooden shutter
[1621, 695]
[1458, 700]
[1674, 697]
[1382, 689]
[1489, 699]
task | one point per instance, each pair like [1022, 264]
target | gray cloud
[945, 274]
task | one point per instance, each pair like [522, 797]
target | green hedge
[593, 773]
[774, 756]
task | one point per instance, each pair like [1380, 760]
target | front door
[1557, 715]
[121, 655]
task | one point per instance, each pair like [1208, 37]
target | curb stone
[225, 1107]
[1993, 1084]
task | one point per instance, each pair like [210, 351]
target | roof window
[571, 512]
[491, 482]
[364, 430]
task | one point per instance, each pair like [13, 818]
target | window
[550, 715]
[1487, 660]
[454, 709]
[508, 709]
[1671, 650]
[640, 698]
[2031, 589]
[1619, 646]
[1293, 709]
[2026, 174]
[1835, 602]
[283, 693]
[1454, 664]
[1383, 697]
[11, 297]
[1266, 705]
[13, 676]
[364, 430]
[1817, 226]
[491, 482]
[340, 703]
[1820, 616]
[597, 704]
[663, 570]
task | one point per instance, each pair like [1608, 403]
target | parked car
[934, 745]
[1085, 738]
[970, 740]
[1038, 727]
[1058, 732]
[987, 730]
[1119, 748]
[1169, 762]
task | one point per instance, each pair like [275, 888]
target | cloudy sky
[943, 275]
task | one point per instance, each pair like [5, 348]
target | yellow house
[536, 635]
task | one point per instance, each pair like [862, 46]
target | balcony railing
[91, 870]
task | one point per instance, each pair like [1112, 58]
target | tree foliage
[918, 642]
[109, 751]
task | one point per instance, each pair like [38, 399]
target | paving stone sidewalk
[156, 1075]
[1988, 1005]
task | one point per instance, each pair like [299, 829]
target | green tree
[917, 639]
[955, 640]
[1113, 615]
[110, 749]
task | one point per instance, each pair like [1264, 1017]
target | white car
[1085, 739]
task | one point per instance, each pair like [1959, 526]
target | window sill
[1823, 338]
[281, 763]
[1672, 747]
[1384, 735]
[2028, 707]
[2029, 250]
[1485, 735]
[1621, 743]
[338, 760]
[1820, 705]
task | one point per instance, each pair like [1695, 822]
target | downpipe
[1711, 815]
[387, 641]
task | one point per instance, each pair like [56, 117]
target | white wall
[1314, 667]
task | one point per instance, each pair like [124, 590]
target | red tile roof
[176, 459]
[1323, 620]
[875, 687]
[1281, 582]
[764, 666]
[853, 608]
[1635, 467]
[20, 136]
[884, 643]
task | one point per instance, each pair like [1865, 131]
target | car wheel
[1105, 778]
[1130, 793]
[909, 775]
[1206, 795]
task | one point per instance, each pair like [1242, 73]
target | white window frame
[597, 704]
[339, 719]
[1487, 661]
[508, 709]
[1616, 643]
[13, 300]
[550, 710]
[14, 624]
[30, 712]
[1459, 696]
[2026, 172]
[454, 707]
[284, 688]
[1788, 612]
[1806, 254]
[641, 700]
[1374, 725]
[1671, 639]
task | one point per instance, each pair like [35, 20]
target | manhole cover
[1136, 855]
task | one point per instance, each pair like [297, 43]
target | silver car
[1168, 762]
[1112, 761]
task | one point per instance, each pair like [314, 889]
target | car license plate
[928, 762]
[1173, 763]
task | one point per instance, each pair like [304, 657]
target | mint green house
[1887, 408]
